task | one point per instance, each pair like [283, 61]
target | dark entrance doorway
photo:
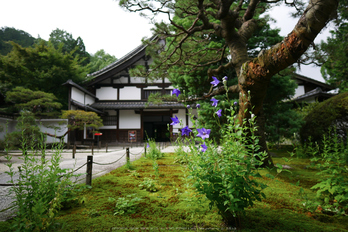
[156, 127]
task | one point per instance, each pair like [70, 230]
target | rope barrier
[141, 152]
[79, 168]
[111, 162]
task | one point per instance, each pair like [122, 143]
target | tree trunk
[254, 75]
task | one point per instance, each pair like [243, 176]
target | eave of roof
[85, 107]
[117, 63]
[136, 105]
[314, 93]
[71, 83]
[321, 84]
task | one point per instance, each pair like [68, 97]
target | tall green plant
[40, 187]
[225, 174]
[332, 161]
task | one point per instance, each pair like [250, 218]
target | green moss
[177, 205]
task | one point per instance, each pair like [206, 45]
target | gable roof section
[323, 86]
[317, 92]
[119, 64]
[73, 84]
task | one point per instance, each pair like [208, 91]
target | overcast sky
[102, 24]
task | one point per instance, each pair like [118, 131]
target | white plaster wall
[166, 80]
[77, 95]
[137, 80]
[89, 99]
[121, 80]
[130, 93]
[299, 91]
[182, 118]
[53, 126]
[152, 88]
[156, 81]
[129, 120]
[195, 113]
[106, 93]
[7, 125]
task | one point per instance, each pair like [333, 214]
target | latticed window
[148, 92]
[110, 120]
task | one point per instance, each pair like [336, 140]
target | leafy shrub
[41, 188]
[153, 152]
[149, 185]
[126, 205]
[332, 190]
[27, 131]
[329, 114]
[225, 174]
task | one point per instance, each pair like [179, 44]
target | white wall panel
[299, 91]
[106, 93]
[77, 95]
[130, 93]
[182, 118]
[129, 120]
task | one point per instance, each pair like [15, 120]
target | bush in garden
[330, 114]
[26, 130]
[332, 162]
[41, 186]
[153, 152]
[225, 174]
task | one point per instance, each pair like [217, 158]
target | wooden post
[127, 155]
[89, 170]
[99, 145]
[92, 148]
[106, 147]
[74, 151]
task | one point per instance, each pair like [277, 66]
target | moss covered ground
[175, 206]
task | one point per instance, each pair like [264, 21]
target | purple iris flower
[235, 103]
[148, 145]
[224, 78]
[198, 106]
[204, 147]
[186, 131]
[203, 133]
[215, 82]
[176, 92]
[175, 121]
[218, 112]
[188, 106]
[215, 102]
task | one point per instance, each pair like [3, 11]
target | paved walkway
[101, 166]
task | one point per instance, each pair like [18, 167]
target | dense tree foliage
[100, 59]
[333, 54]
[79, 119]
[37, 102]
[18, 36]
[231, 24]
[327, 116]
[65, 42]
[41, 67]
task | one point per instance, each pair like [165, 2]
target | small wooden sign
[132, 136]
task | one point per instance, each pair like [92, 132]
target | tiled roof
[85, 107]
[136, 105]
